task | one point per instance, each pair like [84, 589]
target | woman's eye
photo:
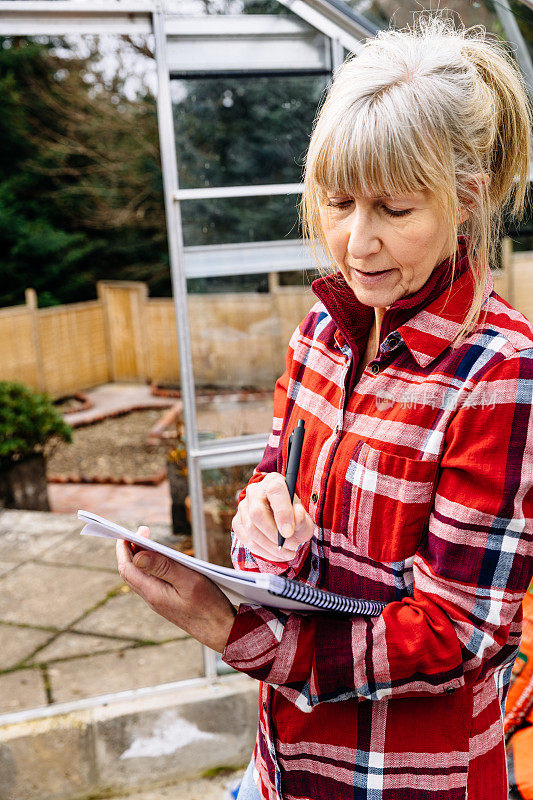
[339, 203]
[393, 213]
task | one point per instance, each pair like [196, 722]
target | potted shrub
[30, 427]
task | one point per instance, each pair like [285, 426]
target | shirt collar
[427, 320]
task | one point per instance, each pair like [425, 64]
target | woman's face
[405, 236]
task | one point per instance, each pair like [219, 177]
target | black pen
[294, 452]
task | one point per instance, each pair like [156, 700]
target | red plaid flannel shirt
[420, 486]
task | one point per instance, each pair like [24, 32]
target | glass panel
[239, 130]
[244, 219]
[239, 343]
[221, 489]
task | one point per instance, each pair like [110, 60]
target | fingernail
[143, 562]
[287, 530]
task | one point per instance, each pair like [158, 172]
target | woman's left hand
[189, 600]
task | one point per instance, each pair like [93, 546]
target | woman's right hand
[265, 509]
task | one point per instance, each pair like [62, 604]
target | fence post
[31, 304]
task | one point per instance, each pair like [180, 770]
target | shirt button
[314, 562]
[374, 369]
[264, 706]
[449, 690]
[314, 497]
[393, 341]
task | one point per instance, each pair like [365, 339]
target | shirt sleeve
[471, 572]
[271, 461]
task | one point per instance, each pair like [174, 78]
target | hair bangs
[350, 160]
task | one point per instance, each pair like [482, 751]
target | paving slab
[52, 761]
[72, 645]
[6, 566]
[17, 644]
[36, 523]
[46, 595]
[128, 669]
[214, 788]
[82, 551]
[23, 542]
[21, 689]
[206, 728]
[126, 614]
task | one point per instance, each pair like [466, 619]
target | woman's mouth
[369, 278]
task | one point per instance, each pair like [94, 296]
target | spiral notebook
[241, 587]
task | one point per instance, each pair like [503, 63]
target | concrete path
[71, 632]
[69, 627]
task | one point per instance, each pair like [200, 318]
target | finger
[257, 515]
[144, 532]
[304, 526]
[253, 533]
[129, 571]
[123, 552]
[277, 495]
[164, 569]
[277, 556]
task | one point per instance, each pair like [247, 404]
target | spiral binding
[294, 590]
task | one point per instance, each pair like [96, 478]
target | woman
[414, 379]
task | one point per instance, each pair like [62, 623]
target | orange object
[519, 703]
[523, 761]
[518, 723]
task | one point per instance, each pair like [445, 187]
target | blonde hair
[427, 107]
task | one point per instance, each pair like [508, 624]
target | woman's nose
[363, 237]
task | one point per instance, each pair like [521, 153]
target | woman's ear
[479, 177]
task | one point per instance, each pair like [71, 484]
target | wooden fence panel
[161, 340]
[18, 356]
[73, 347]
[237, 339]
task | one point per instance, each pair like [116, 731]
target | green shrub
[29, 423]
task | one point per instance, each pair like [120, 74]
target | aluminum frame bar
[179, 291]
[334, 19]
[231, 452]
[257, 190]
[42, 17]
[255, 258]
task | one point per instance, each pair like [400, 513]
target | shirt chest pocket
[390, 499]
